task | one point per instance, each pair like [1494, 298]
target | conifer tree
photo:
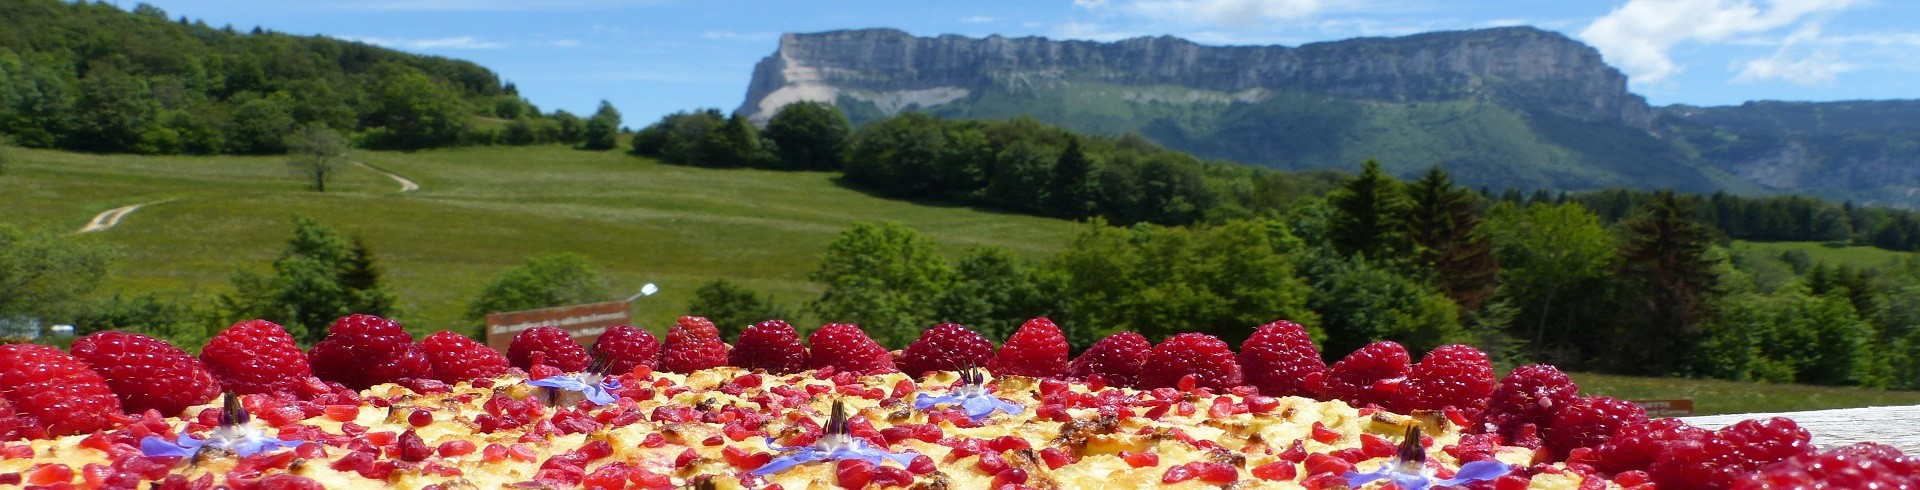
[1665, 256]
[1442, 222]
[1369, 211]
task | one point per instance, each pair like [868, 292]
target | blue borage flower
[233, 435]
[596, 387]
[1409, 469]
[834, 444]
[973, 396]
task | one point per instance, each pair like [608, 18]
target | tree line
[1019, 165]
[88, 76]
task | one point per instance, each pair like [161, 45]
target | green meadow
[480, 211]
[1856, 256]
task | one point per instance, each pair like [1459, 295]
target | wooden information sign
[1666, 408]
[585, 322]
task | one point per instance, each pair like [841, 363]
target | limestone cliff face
[1527, 68]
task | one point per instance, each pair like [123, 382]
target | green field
[482, 210]
[1857, 256]
[478, 212]
[1713, 397]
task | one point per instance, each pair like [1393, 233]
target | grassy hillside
[479, 211]
[1857, 257]
[1482, 143]
[1713, 397]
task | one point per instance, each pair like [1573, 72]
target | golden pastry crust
[646, 432]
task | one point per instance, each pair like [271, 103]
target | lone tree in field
[317, 152]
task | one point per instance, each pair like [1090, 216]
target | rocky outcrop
[1518, 66]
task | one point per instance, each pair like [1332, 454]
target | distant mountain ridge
[1503, 107]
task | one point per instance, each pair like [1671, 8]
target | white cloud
[978, 19]
[1820, 67]
[1815, 69]
[564, 43]
[457, 42]
[1640, 35]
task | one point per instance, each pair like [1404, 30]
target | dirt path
[406, 185]
[106, 219]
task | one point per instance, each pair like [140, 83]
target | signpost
[585, 322]
[1666, 408]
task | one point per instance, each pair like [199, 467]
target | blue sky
[654, 57]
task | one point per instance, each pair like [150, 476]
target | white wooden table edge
[1897, 426]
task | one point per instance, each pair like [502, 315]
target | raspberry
[692, 344]
[555, 347]
[1117, 359]
[1636, 445]
[847, 348]
[1457, 376]
[1037, 349]
[365, 350]
[1524, 404]
[1706, 463]
[13, 426]
[256, 357]
[147, 373]
[1589, 422]
[1372, 375]
[1203, 356]
[1760, 442]
[625, 348]
[54, 391]
[1861, 465]
[457, 358]
[1281, 360]
[771, 345]
[945, 347]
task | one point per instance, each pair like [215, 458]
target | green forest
[1177, 244]
[91, 77]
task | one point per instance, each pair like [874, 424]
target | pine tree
[1066, 191]
[1442, 223]
[1665, 256]
[1369, 209]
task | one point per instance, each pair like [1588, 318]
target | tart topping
[234, 435]
[1409, 469]
[973, 396]
[835, 444]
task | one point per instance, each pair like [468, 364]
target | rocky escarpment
[1867, 151]
[1519, 66]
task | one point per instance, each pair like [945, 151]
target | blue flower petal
[803, 456]
[252, 446]
[924, 401]
[1477, 471]
[155, 446]
[568, 383]
[980, 406]
[1355, 479]
[599, 393]
[855, 448]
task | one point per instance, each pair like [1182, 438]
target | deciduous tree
[884, 277]
[545, 280]
[732, 307]
[809, 135]
[317, 152]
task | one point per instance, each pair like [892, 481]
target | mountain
[1865, 151]
[1504, 107]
